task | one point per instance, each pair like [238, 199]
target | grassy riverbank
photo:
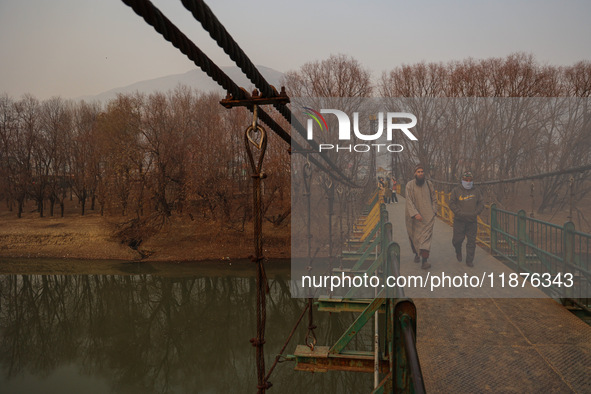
[96, 237]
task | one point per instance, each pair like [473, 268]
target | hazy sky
[71, 48]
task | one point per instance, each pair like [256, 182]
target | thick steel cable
[278, 356]
[524, 178]
[297, 148]
[222, 37]
[154, 17]
[218, 32]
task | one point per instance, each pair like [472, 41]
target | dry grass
[93, 237]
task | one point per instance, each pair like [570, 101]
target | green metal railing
[378, 247]
[398, 360]
[547, 250]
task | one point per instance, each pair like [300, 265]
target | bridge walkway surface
[490, 339]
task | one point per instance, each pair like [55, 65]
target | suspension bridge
[499, 337]
[459, 341]
[497, 341]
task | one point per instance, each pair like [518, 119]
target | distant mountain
[194, 79]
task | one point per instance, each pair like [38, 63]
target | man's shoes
[417, 258]
[469, 263]
[425, 265]
[459, 255]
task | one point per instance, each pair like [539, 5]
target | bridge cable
[307, 175]
[222, 37]
[155, 18]
[292, 332]
[524, 178]
[258, 147]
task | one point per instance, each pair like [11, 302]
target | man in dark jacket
[466, 203]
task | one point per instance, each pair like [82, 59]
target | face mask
[467, 185]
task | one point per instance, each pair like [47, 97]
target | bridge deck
[491, 342]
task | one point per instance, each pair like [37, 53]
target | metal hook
[261, 144]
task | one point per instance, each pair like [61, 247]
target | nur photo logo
[392, 123]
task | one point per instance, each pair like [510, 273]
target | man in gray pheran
[466, 203]
[421, 207]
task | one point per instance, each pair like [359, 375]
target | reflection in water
[143, 333]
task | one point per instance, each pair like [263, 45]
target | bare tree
[56, 124]
[84, 154]
[122, 164]
[25, 153]
[8, 164]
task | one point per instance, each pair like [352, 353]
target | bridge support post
[494, 225]
[521, 238]
[569, 253]
[407, 371]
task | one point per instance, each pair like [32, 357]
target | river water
[149, 329]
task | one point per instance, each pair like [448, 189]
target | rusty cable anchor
[250, 137]
[307, 173]
[255, 137]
